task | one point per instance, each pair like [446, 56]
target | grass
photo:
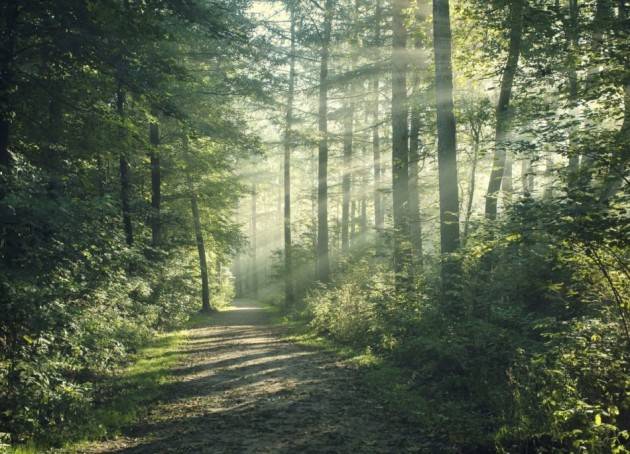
[126, 395]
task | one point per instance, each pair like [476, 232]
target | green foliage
[528, 350]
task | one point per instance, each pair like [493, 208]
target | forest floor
[240, 387]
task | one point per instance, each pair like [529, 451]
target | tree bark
[346, 182]
[572, 34]
[618, 169]
[201, 246]
[125, 183]
[415, 225]
[400, 150]
[201, 249]
[447, 145]
[253, 242]
[323, 260]
[288, 267]
[154, 139]
[503, 107]
[10, 13]
[471, 185]
[379, 217]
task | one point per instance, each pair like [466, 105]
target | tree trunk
[346, 182]
[10, 14]
[125, 184]
[507, 186]
[379, 217]
[618, 168]
[253, 243]
[503, 107]
[572, 34]
[471, 185]
[323, 260]
[201, 249]
[527, 175]
[288, 267]
[154, 139]
[364, 189]
[201, 246]
[447, 145]
[400, 150]
[548, 191]
[415, 226]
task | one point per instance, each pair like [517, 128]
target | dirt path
[240, 388]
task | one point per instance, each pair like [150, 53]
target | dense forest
[441, 187]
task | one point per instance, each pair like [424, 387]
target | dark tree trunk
[400, 150]
[10, 12]
[323, 260]
[472, 184]
[154, 138]
[447, 145]
[288, 267]
[618, 169]
[125, 183]
[201, 247]
[201, 250]
[415, 226]
[503, 108]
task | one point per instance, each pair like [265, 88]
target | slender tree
[415, 226]
[346, 182]
[379, 213]
[288, 268]
[10, 14]
[154, 139]
[447, 145]
[201, 246]
[253, 240]
[500, 162]
[125, 183]
[400, 146]
[323, 260]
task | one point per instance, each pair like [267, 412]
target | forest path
[241, 388]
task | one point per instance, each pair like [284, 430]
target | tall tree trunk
[572, 34]
[253, 242]
[323, 259]
[10, 12]
[238, 265]
[201, 246]
[379, 214]
[364, 190]
[472, 185]
[507, 186]
[503, 107]
[154, 139]
[125, 184]
[415, 226]
[618, 169]
[346, 182]
[400, 149]
[447, 145]
[288, 266]
[201, 250]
